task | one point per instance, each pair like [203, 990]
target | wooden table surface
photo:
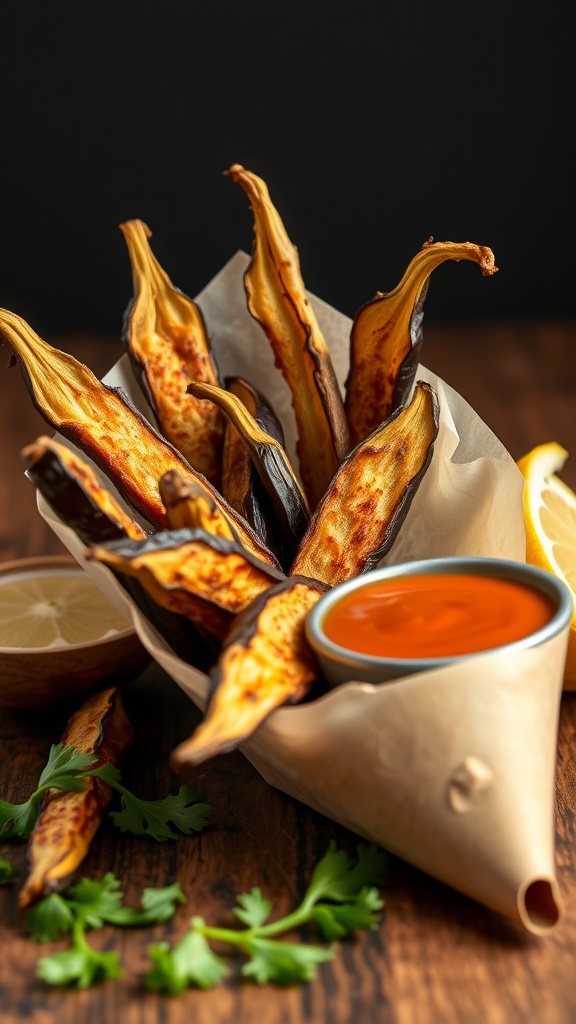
[437, 956]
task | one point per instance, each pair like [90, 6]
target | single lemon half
[550, 519]
[54, 608]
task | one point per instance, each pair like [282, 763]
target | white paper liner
[452, 770]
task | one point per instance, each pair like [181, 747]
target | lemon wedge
[550, 520]
[54, 608]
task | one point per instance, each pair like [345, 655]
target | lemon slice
[550, 520]
[54, 608]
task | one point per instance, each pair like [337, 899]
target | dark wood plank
[437, 956]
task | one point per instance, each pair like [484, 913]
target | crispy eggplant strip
[205, 578]
[68, 822]
[265, 662]
[271, 464]
[75, 493]
[368, 499]
[165, 335]
[241, 486]
[277, 300]
[386, 338]
[189, 504]
[102, 423]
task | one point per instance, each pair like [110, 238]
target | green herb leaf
[64, 770]
[338, 920]
[79, 966]
[183, 810]
[338, 878]
[190, 962]
[50, 918]
[284, 963]
[7, 872]
[254, 910]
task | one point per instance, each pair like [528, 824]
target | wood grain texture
[437, 957]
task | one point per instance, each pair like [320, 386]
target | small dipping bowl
[40, 677]
[341, 662]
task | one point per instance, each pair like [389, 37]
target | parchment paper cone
[452, 770]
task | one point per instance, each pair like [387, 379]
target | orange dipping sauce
[437, 615]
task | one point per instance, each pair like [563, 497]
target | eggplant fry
[165, 335]
[68, 821]
[102, 423]
[387, 334]
[272, 465]
[277, 300]
[205, 578]
[189, 505]
[240, 485]
[75, 493]
[361, 514]
[265, 662]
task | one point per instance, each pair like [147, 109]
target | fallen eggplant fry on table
[69, 820]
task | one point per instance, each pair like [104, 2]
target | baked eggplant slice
[361, 514]
[205, 578]
[165, 335]
[240, 484]
[277, 300]
[190, 505]
[265, 662]
[68, 821]
[105, 426]
[76, 494]
[386, 338]
[272, 465]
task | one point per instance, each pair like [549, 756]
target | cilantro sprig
[91, 904]
[7, 872]
[67, 769]
[342, 896]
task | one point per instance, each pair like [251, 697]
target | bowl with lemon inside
[60, 636]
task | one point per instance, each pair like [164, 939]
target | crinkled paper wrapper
[451, 769]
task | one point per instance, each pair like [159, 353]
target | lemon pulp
[54, 607]
[550, 520]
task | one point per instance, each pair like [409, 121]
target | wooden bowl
[41, 677]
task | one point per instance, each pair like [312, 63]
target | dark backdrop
[375, 125]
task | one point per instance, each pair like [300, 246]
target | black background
[374, 125]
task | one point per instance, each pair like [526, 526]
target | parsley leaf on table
[90, 904]
[7, 872]
[152, 817]
[68, 768]
[342, 896]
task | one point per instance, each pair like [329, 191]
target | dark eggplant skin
[203, 577]
[265, 662]
[66, 493]
[360, 515]
[272, 466]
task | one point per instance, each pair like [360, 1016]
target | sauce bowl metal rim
[523, 572]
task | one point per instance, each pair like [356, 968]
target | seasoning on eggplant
[277, 300]
[189, 504]
[102, 423]
[271, 464]
[165, 335]
[68, 821]
[240, 485]
[75, 493]
[361, 514]
[207, 579]
[386, 338]
[265, 662]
